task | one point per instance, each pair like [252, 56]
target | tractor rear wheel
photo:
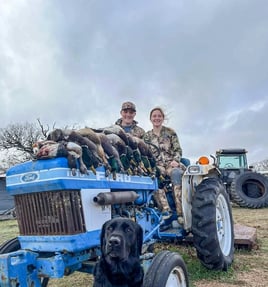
[212, 225]
[250, 189]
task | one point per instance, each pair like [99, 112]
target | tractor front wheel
[166, 270]
[10, 246]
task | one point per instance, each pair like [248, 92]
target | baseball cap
[128, 106]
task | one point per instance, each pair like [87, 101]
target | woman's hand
[174, 163]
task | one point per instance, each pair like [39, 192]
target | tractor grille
[50, 213]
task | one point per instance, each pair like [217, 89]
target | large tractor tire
[250, 189]
[166, 270]
[212, 225]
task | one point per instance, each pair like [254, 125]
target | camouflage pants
[162, 202]
[177, 192]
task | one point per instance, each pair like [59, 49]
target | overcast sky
[204, 61]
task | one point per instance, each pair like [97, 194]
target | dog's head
[121, 238]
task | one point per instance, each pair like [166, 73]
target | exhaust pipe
[106, 198]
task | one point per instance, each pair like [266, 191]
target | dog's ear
[102, 236]
[139, 240]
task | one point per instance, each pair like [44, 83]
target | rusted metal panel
[50, 213]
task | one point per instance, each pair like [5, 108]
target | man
[127, 122]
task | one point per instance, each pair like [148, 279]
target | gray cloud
[205, 62]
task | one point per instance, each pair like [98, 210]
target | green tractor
[245, 187]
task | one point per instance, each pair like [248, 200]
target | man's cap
[128, 106]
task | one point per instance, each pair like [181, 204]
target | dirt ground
[251, 267]
[254, 278]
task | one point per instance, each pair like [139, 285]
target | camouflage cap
[128, 106]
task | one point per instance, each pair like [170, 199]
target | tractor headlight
[194, 169]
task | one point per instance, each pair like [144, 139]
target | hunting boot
[177, 193]
[162, 202]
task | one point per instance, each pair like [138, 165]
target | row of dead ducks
[111, 147]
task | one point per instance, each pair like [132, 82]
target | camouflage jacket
[165, 147]
[134, 129]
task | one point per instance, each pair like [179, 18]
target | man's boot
[177, 194]
[162, 202]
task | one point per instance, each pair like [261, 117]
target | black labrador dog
[119, 264]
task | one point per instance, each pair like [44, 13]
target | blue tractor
[60, 216]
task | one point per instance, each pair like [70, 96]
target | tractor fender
[192, 177]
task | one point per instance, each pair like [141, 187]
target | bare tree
[21, 137]
[16, 141]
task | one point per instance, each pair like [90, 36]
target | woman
[166, 148]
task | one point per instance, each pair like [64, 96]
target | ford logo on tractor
[29, 177]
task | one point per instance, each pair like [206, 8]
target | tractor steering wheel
[228, 165]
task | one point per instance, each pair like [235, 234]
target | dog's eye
[128, 230]
[109, 228]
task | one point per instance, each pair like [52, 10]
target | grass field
[250, 268]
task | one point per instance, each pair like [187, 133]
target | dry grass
[250, 268]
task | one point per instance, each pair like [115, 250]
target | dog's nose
[114, 241]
